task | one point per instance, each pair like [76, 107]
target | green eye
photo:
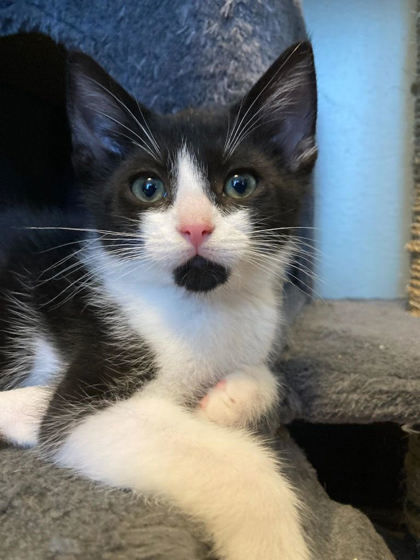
[148, 189]
[240, 185]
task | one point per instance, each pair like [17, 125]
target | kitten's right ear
[105, 120]
[280, 109]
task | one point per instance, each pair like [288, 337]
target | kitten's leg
[21, 413]
[222, 477]
[242, 398]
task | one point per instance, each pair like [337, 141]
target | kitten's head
[196, 195]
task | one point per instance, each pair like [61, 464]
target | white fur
[222, 477]
[202, 460]
[198, 339]
[21, 411]
[191, 203]
[241, 398]
[165, 247]
[46, 363]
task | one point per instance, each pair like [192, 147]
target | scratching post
[412, 461]
[414, 245]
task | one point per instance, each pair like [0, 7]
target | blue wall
[364, 53]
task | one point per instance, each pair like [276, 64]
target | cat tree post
[414, 245]
[412, 460]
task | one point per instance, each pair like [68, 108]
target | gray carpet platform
[353, 362]
[344, 362]
[46, 514]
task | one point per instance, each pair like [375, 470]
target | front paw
[238, 400]
[21, 413]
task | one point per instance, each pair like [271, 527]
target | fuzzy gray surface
[359, 354]
[353, 362]
[170, 54]
[47, 515]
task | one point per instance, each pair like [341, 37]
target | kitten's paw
[238, 400]
[21, 412]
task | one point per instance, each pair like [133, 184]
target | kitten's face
[195, 195]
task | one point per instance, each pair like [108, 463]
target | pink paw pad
[221, 384]
[205, 400]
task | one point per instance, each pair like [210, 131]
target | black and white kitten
[134, 346]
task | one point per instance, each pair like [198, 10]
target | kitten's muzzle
[200, 275]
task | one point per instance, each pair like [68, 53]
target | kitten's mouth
[200, 275]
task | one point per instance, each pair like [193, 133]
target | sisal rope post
[414, 245]
[412, 459]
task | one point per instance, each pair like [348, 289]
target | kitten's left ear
[106, 122]
[281, 109]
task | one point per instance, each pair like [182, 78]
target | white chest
[197, 340]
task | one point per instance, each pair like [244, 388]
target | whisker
[287, 275]
[58, 263]
[270, 247]
[301, 267]
[87, 230]
[143, 146]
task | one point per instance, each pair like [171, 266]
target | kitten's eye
[240, 185]
[148, 189]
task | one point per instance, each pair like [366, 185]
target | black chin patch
[200, 275]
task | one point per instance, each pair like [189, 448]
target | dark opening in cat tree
[35, 142]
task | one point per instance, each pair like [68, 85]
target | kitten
[134, 344]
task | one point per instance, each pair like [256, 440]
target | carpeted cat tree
[171, 54]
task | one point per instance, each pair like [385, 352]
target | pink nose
[196, 234]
